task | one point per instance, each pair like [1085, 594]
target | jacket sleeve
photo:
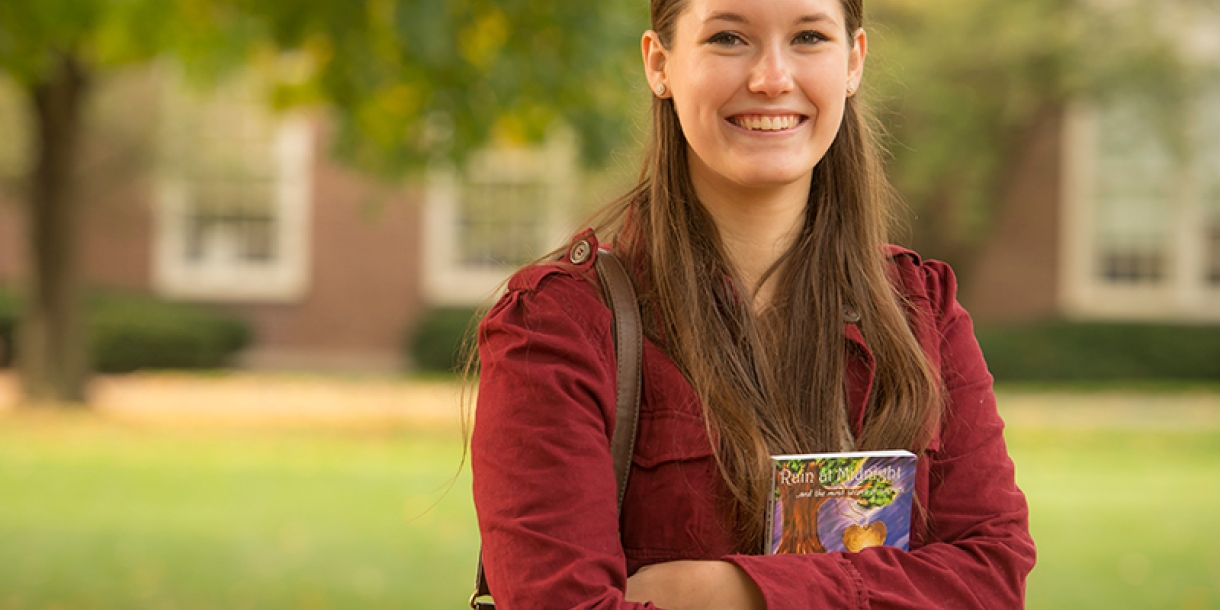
[979, 550]
[544, 484]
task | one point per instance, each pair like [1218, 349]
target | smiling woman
[778, 321]
[760, 94]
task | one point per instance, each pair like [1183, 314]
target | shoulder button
[580, 252]
[850, 315]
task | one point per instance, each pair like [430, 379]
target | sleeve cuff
[794, 582]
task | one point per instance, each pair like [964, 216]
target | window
[1142, 215]
[502, 221]
[506, 207]
[1133, 264]
[1135, 198]
[232, 215]
[1207, 143]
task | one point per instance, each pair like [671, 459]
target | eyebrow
[737, 18]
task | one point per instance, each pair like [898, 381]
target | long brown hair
[774, 383]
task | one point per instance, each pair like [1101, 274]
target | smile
[767, 123]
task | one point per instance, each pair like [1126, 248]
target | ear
[655, 56]
[855, 60]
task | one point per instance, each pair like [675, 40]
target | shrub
[133, 332]
[1060, 351]
[436, 342]
[128, 332]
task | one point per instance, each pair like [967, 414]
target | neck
[756, 224]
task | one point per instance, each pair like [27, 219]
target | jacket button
[850, 315]
[580, 253]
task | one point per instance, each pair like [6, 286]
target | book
[826, 502]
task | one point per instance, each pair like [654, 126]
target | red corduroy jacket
[544, 483]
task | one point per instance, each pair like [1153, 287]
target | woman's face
[759, 87]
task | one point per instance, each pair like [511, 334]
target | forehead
[785, 13]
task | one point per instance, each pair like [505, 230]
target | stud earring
[660, 89]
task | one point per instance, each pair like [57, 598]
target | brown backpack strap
[481, 589]
[629, 353]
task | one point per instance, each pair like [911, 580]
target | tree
[408, 80]
[959, 84]
[962, 84]
[55, 50]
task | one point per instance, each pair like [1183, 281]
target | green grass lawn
[1122, 519]
[96, 515]
[100, 515]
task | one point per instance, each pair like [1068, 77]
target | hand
[695, 585]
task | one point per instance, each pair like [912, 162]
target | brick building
[248, 211]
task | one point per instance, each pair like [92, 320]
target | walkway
[263, 399]
[266, 399]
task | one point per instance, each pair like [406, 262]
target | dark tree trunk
[801, 519]
[52, 346]
[938, 228]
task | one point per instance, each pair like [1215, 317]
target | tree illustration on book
[840, 502]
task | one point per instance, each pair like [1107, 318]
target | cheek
[697, 117]
[829, 122]
[827, 89]
[831, 108]
[703, 88]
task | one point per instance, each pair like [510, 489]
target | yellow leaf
[481, 41]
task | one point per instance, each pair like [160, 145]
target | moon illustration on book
[857, 537]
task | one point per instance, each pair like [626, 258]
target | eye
[809, 37]
[725, 39]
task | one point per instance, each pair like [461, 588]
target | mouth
[759, 122]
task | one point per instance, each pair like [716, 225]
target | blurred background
[240, 241]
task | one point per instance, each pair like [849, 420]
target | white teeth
[767, 123]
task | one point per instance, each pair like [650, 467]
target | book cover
[840, 501]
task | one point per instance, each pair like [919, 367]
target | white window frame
[1183, 295]
[447, 280]
[220, 276]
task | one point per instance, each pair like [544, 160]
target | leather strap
[619, 294]
[629, 351]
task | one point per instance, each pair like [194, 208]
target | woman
[778, 322]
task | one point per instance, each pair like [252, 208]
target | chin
[773, 177]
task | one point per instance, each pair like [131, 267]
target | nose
[772, 73]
